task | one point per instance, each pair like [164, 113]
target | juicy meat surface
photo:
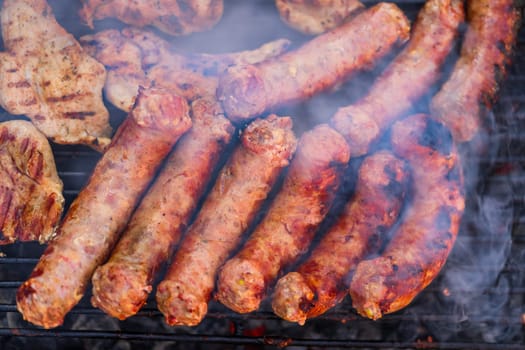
[485, 53]
[103, 207]
[318, 284]
[31, 200]
[46, 75]
[135, 57]
[247, 91]
[318, 16]
[406, 79]
[287, 230]
[422, 242]
[175, 17]
[242, 186]
[122, 285]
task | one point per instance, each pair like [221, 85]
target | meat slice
[406, 79]
[422, 242]
[103, 207]
[236, 197]
[289, 226]
[136, 57]
[46, 75]
[318, 16]
[247, 91]
[31, 200]
[485, 53]
[318, 284]
[122, 285]
[174, 17]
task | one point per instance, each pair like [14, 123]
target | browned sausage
[238, 193]
[485, 53]
[288, 228]
[248, 90]
[406, 79]
[103, 207]
[122, 285]
[422, 242]
[317, 285]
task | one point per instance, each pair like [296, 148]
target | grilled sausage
[318, 16]
[122, 285]
[485, 53]
[289, 226]
[103, 207]
[422, 242]
[406, 79]
[241, 188]
[248, 90]
[317, 284]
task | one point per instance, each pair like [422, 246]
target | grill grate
[476, 302]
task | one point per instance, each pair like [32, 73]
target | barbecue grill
[477, 302]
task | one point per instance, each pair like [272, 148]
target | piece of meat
[46, 75]
[318, 283]
[292, 219]
[485, 53]
[175, 17]
[317, 16]
[122, 285]
[422, 242]
[31, 200]
[247, 91]
[406, 79]
[136, 57]
[103, 207]
[236, 197]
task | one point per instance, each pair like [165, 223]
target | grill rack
[486, 316]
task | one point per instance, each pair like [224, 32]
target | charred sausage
[406, 79]
[238, 193]
[102, 208]
[485, 53]
[318, 283]
[289, 226]
[422, 242]
[122, 285]
[247, 91]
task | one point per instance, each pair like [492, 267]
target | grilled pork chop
[46, 75]
[31, 200]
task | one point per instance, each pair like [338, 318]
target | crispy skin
[422, 242]
[485, 54]
[406, 79]
[137, 57]
[102, 209]
[175, 17]
[122, 285]
[31, 200]
[317, 284]
[328, 59]
[46, 75]
[317, 16]
[289, 226]
[238, 193]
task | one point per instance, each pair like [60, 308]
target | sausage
[248, 90]
[236, 197]
[122, 285]
[406, 79]
[422, 242]
[318, 283]
[292, 219]
[102, 208]
[485, 53]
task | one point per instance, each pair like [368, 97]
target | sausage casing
[422, 242]
[102, 208]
